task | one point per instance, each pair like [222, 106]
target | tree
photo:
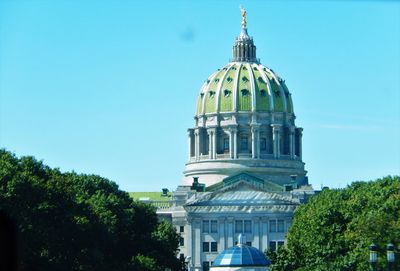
[333, 231]
[70, 221]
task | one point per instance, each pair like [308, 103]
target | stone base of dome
[279, 172]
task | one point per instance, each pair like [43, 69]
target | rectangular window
[206, 226]
[281, 226]
[281, 244]
[243, 144]
[226, 144]
[214, 226]
[247, 226]
[263, 144]
[214, 247]
[206, 266]
[206, 247]
[248, 243]
[272, 245]
[181, 229]
[272, 226]
[181, 241]
[238, 226]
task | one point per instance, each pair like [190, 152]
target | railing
[161, 204]
[205, 157]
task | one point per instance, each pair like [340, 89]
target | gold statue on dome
[244, 22]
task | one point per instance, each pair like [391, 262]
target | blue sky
[109, 87]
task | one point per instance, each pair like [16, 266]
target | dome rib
[235, 88]
[253, 87]
[221, 83]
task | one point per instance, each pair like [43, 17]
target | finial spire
[244, 22]
[244, 49]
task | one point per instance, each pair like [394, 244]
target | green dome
[244, 87]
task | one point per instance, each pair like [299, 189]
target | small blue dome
[241, 255]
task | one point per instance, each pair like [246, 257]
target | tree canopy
[70, 221]
[335, 228]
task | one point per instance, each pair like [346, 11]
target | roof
[241, 255]
[244, 87]
[242, 197]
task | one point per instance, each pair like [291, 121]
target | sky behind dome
[110, 87]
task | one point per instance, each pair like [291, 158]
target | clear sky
[110, 87]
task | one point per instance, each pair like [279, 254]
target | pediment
[242, 193]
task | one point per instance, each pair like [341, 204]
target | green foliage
[333, 231]
[69, 221]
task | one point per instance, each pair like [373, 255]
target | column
[292, 142]
[255, 141]
[214, 136]
[221, 233]
[300, 142]
[264, 230]
[188, 235]
[209, 133]
[230, 143]
[276, 139]
[190, 132]
[256, 232]
[230, 232]
[234, 131]
[196, 245]
[196, 144]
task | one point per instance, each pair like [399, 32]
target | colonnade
[293, 137]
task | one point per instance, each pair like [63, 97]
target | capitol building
[244, 172]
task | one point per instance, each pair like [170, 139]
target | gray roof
[242, 196]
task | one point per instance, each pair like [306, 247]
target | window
[243, 143]
[227, 93]
[214, 226]
[272, 245]
[206, 266]
[238, 226]
[206, 247]
[181, 241]
[245, 92]
[263, 93]
[281, 226]
[248, 244]
[263, 144]
[212, 93]
[226, 143]
[206, 226]
[210, 226]
[247, 226]
[181, 229]
[214, 247]
[272, 226]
